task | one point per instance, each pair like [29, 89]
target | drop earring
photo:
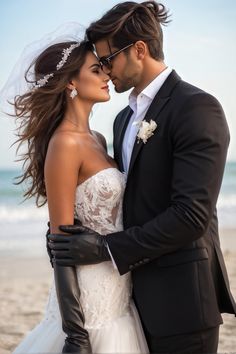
[73, 93]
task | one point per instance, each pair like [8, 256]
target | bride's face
[92, 82]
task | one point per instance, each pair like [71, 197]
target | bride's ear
[70, 85]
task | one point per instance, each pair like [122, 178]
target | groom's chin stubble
[120, 89]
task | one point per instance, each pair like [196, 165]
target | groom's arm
[200, 138]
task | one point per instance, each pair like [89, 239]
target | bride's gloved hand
[81, 246]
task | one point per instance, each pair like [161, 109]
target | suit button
[131, 267]
[146, 260]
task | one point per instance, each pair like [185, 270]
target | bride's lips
[105, 87]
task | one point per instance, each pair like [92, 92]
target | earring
[73, 93]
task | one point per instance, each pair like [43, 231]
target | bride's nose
[106, 77]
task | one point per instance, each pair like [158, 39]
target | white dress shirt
[140, 104]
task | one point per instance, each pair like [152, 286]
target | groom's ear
[141, 49]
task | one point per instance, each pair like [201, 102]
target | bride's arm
[61, 170]
[62, 166]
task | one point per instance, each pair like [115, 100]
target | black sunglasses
[106, 61]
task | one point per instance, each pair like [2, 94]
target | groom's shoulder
[187, 89]
[187, 92]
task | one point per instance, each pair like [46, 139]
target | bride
[90, 308]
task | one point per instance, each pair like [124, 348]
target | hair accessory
[43, 81]
[65, 55]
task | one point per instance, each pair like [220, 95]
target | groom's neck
[151, 69]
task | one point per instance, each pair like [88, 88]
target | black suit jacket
[171, 242]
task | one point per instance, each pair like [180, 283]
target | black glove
[47, 245]
[80, 247]
[68, 295]
[76, 222]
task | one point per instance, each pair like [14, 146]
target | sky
[199, 43]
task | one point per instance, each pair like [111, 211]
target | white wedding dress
[110, 315]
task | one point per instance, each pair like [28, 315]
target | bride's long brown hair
[40, 111]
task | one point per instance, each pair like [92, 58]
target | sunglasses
[107, 61]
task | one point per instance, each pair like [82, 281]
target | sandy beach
[24, 286]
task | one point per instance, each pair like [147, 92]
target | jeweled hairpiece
[43, 81]
[65, 55]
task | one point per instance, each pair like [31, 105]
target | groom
[170, 240]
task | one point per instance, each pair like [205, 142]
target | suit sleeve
[200, 139]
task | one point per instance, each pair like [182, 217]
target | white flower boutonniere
[146, 130]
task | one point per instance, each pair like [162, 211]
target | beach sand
[24, 286]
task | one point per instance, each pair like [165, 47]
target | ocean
[23, 225]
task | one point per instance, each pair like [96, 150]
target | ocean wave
[226, 207]
[226, 200]
[14, 214]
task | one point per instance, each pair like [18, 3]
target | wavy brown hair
[40, 111]
[129, 22]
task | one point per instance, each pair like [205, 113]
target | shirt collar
[151, 90]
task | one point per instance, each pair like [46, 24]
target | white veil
[16, 83]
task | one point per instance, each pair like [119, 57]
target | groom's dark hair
[129, 22]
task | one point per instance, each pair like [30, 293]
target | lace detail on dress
[105, 295]
[99, 201]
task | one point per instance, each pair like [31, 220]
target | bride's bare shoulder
[64, 146]
[64, 137]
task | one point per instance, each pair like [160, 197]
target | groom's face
[124, 70]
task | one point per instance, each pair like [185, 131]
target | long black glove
[68, 295]
[80, 247]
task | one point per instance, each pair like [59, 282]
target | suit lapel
[120, 132]
[159, 101]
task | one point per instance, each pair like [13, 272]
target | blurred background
[199, 44]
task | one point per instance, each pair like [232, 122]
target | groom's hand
[47, 245]
[80, 247]
[49, 251]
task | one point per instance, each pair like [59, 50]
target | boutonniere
[146, 130]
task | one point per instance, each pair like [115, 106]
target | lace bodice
[99, 201]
